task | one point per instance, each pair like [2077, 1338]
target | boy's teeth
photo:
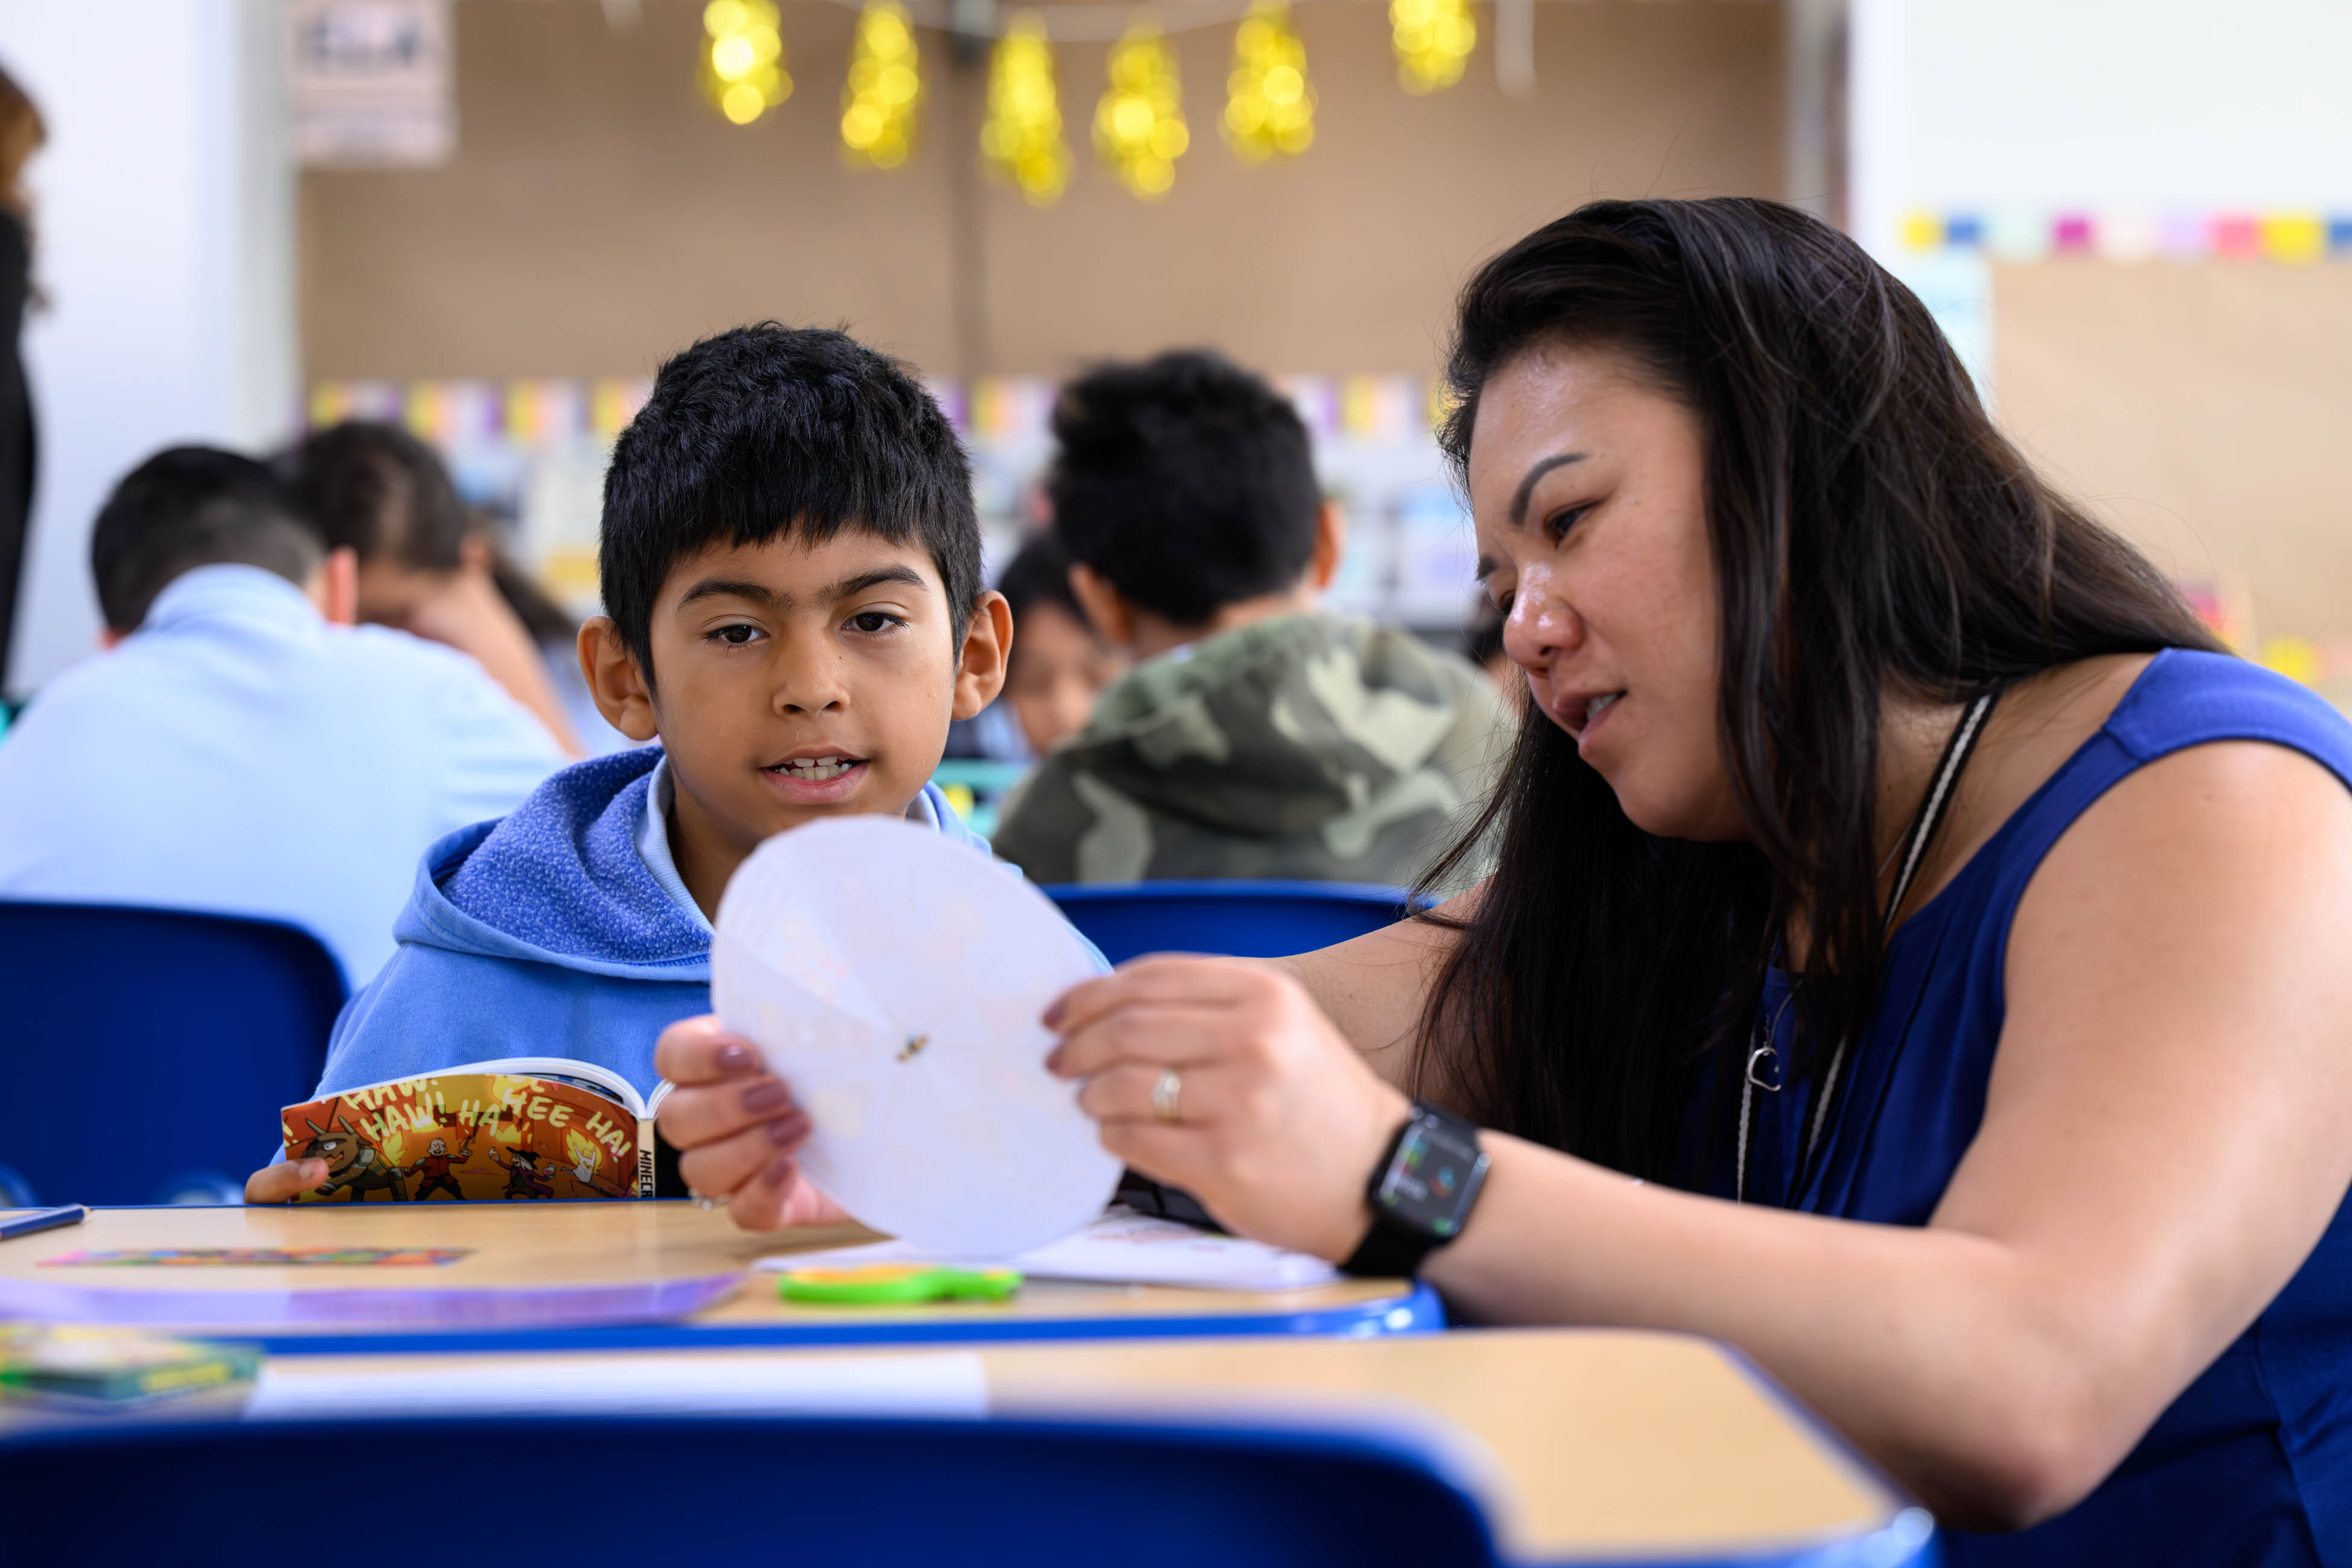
[815, 770]
[1592, 711]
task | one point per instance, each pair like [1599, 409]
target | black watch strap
[1420, 1194]
[1388, 1252]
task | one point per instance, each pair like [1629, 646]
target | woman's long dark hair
[1869, 530]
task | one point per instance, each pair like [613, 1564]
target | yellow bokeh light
[742, 69]
[1139, 128]
[1432, 39]
[1269, 105]
[1023, 135]
[742, 103]
[885, 85]
[732, 57]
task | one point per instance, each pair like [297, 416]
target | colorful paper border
[2290, 236]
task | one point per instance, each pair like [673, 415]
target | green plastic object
[897, 1285]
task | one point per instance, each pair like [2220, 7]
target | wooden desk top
[578, 1243]
[1583, 1444]
[1580, 1443]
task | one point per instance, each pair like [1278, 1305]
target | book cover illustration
[79, 1362]
[467, 1137]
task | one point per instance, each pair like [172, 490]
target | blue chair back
[144, 1053]
[977, 1493]
[1238, 919]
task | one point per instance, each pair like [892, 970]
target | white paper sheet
[1122, 1248]
[894, 978]
[952, 1384]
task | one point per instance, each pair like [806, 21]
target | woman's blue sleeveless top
[2253, 1464]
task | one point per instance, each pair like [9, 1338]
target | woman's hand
[283, 1182]
[1277, 1120]
[736, 1128]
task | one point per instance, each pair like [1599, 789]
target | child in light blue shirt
[241, 748]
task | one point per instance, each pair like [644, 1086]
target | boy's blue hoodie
[540, 934]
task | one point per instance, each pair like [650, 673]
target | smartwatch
[1420, 1193]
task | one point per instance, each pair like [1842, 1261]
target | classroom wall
[598, 214]
[163, 240]
[1975, 103]
[2205, 409]
[2201, 406]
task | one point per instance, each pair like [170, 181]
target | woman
[1945, 938]
[21, 135]
[426, 567]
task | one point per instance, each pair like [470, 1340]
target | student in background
[21, 135]
[426, 567]
[242, 748]
[792, 560]
[1258, 736]
[1482, 645]
[1059, 667]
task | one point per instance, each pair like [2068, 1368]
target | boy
[790, 561]
[1258, 736]
[242, 748]
[1060, 667]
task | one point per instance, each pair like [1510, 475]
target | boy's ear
[987, 644]
[334, 587]
[1331, 546]
[1106, 609]
[622, 693]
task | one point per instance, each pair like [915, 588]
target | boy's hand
[735, 1128]
[281, 1183]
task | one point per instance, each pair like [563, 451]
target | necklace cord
[1922, 832]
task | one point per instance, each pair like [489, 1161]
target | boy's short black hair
[1186, 481]
[1038, 575]
[188, 507]
[770, 430]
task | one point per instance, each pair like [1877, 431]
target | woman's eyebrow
[1528, 481]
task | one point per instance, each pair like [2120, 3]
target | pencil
[42, 1219]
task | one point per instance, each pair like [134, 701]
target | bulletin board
[2205, 409]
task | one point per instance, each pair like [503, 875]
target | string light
[1269, 107]
[1433, 38]
[1023, 135]
[886, 83]
[1139, 125]
[743, 61]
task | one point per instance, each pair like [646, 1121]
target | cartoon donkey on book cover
[354, 1165]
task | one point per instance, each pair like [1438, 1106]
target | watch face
[1430, 1179]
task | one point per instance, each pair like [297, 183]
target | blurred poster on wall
[1956, 285]
[372, 82]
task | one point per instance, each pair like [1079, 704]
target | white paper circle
[893, 978]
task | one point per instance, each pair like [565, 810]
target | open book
[523, 1127]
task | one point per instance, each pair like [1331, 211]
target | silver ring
[1165, 1093]
[706, 1205]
